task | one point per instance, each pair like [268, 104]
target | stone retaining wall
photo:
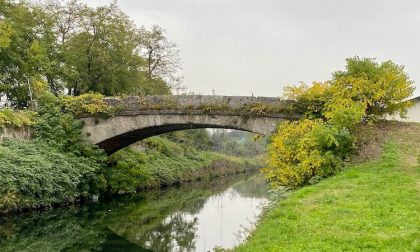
[16, 133]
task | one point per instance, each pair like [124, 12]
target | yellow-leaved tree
[314, 147]
[305, 150]
[382, 87]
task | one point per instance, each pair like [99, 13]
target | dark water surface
[194, 217]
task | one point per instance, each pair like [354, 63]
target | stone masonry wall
[16, 133]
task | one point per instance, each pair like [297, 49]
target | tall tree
[25, 48]
[162, 56]
[72, 46]
[103, 57]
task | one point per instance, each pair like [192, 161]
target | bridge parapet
[205, 103]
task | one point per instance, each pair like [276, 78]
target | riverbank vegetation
[166, 163]
[315, 147]
[59, 166]
[370, 206]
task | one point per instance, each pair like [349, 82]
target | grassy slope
[372, 206]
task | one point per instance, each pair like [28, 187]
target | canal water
[196, 216]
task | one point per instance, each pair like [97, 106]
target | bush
[58, 166]
[382, 87]
[344, 113]
[16, 118]
[62, 130]
[310, 100]
[34, 174]
[128, 171]
[89, 103]
[304, 149]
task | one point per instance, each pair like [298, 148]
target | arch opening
[118, 142]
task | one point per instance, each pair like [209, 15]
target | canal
[197, 216]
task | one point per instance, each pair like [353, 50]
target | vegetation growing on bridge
[315, 147]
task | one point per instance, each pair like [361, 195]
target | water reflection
[193, 217]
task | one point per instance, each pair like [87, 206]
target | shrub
[16, 118]
[62, 130]
[90, 103]
[304, 149]
[382, 87]
[128, 171]
[34, 174]
[344, 113]
[365, 86]
[310, 100]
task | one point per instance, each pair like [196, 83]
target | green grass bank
[370, 206]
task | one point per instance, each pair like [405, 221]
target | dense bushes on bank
[56, 167]
[34, 174]
[166, 163]
[304, 151]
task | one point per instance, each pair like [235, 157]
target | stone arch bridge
[137, 118]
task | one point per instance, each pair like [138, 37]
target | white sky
[244, 47]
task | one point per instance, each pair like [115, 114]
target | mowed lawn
[373, 206]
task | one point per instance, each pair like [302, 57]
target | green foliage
[196, 138]
[35, 174]
[310, 100]
[90, 103]
[128, 172]
[60, 129]
[383, 88]
[165, 163]
[103, 54]
[305, 149]
[58, 166]
[238, 143]
[25, 35]
[71, 46]
[16, 119]
[151, 86]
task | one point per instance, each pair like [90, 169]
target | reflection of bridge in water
[142, 117]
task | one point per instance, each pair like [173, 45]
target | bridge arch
[115, 133]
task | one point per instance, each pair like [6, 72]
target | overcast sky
[244, 47]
